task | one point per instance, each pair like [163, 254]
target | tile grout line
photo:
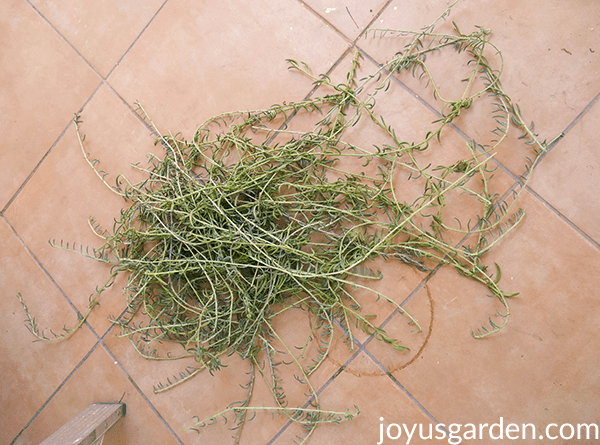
[543, 201]
[547, 204]
[79, 315]
[432, 272]
[518, 178]
[438, 114]
[136, 40]
[321, 389]
[558, 213]
[403, 389]
[324, 20]
[572, 124]
[38, 12]
[139, 390]
[54, 144]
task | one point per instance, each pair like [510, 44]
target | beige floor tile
[100, 380]
[539, 369]
[229, 57]
[38, 95]
[65, 191]
[568, 178]
[31, 371]
[101, 32]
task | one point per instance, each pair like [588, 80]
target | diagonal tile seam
[432, 272]
[37, 166]
[64, 39]
[405, 391]
[60, 386]
[79, 316]
[56, 285]
[554, 210]
[88, 63]
[99, 342]
[426, 104]
[323, 19]
[341, 33]
[577, 118]
[142, 394]
[137, 38]
[595, 243]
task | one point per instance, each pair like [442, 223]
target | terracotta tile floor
[188, 60]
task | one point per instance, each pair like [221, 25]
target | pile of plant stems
[250, 218]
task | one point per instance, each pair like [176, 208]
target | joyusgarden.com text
[455, 433]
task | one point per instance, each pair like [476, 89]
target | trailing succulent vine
[250, 218]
